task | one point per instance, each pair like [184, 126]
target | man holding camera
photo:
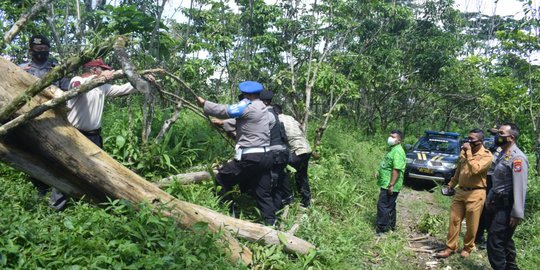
[470, 175]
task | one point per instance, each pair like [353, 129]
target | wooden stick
[420, 250]
[418, 238]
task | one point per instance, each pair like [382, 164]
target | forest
[349, 71]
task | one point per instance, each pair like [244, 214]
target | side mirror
[408, 147]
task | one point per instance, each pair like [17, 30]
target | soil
[423, 245]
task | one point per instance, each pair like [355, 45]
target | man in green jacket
[390, 180]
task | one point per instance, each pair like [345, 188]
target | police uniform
[252, 163]
[40, 70]
[280, 154]
[483, 225]
[506, 200]
[281, 189]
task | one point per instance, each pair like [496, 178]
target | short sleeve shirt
[394, 159]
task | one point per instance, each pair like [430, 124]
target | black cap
[266, 95]
[39, 40]
[494, 130]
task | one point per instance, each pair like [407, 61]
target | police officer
[252, 162]
[278, 147]
[483, 225]
[40, 64]
[506, 199]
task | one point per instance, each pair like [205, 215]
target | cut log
[186, 178]
[51, 150]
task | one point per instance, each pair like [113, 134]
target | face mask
[391, 141]
[501, 140]
[41, 56]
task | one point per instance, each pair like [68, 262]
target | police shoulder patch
[517, 164]
[75, 84]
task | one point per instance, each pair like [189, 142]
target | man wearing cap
[86, 110]
[281, 189]
[40, 65]
[252, 162]
[299, 159]
[483, 225]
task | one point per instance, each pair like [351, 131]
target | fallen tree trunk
[51, 150]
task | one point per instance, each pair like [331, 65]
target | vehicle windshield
[438, 145]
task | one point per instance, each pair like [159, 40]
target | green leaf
[68, 224]
[120, 141]
[282, 238]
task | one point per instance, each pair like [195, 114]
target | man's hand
[107, 74]
[466, 146]
[514, 222]
[150, 78]
[217, 122]
[390, 190]
[200, 101]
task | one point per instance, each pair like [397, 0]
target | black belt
[473, 188]
[91, 132]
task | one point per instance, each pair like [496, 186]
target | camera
[465, 140]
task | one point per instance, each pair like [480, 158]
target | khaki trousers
[468, 205]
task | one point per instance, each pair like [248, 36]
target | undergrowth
[118, 235]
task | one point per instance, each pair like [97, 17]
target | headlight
[409, 160]
[449, 165]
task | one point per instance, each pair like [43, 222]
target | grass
[117, 235]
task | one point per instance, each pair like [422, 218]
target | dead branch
[186, 178]
[417, 238]
[138, 82]
[420, 250]
[167, 124]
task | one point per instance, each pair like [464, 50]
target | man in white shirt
[86, 110]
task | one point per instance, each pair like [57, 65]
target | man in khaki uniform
[470, 176]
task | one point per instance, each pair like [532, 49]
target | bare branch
[169, 122]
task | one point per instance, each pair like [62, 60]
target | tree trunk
[51, 150]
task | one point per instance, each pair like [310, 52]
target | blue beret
[250, 87]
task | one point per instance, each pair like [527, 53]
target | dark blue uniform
[506, 200]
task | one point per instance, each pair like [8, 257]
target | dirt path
[411, 206]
